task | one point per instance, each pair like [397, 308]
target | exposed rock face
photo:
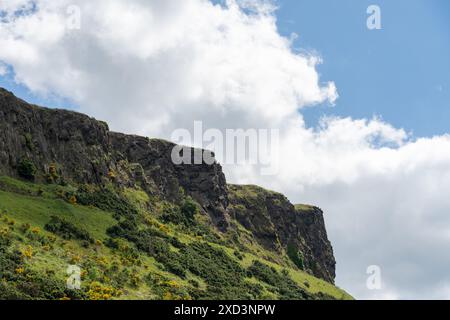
[205, 183]
[83, 150]
[80, 144]
[318, 249]
[278, 225]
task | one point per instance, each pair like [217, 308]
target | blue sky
[400, 73]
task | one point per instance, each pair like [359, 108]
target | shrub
[281, 284]
[106, 199]
[25, 227]
[224, 277]
[98, 291]
[165, 288]
[5, 237]
[238, 255]
[151, 241]
[27, 252]
[183, 215]
[26, 169]
[52, 175]
[67, 230]
[194, 283]
[73, 200]
[18, 283]
[189, 209]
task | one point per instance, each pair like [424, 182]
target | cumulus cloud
[384, 207]
[147, 61]
[3, 69]
[150, 67]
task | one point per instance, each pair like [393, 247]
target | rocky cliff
[75, 148]
[83, 150]
[278, 225]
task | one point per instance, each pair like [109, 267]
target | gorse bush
[189, 209]
[224, 277]
[67, 230]
[26, 169]
[106, 199]
[281, 283]
[166, 289]
[52, 175]
[211, 264]
[183, 215]
[151, 241]
[18, 283]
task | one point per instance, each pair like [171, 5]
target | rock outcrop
[278, 225]
[83, 150]
[75, 148]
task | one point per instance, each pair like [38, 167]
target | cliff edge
[69, 148]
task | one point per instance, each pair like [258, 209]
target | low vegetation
[130, 246]
[26, 169]
[67, 230]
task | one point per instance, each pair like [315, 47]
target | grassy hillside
[132, 246]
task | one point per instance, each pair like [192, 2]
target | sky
[361, 113]
[399, 72]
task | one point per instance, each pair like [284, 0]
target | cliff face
[157, 173]
[278, 225]
[83, 150]
[318, 250]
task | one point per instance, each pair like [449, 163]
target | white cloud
[146, 61]
[150, 67]
[3, 69]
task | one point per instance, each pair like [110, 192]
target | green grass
[38, 211]
[304, 207]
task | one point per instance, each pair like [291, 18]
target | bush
[281, 284]
[238, 255]
[165, 288]
[107, 200]
[18, 283]
[52, 175]
[189, 209]
[183, 215]
[224, 277]
[67, 230]
[26, 169]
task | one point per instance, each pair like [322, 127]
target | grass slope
[155, 257]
